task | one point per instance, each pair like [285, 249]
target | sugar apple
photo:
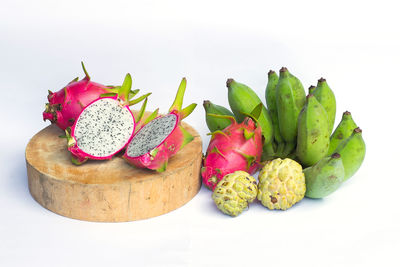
[281, 184]
[234, 192]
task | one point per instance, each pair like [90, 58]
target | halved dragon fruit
[66, 104]
[103, 128]
[160, 138]
[238, 147]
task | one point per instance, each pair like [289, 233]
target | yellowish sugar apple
[281, 184]
[234, 192]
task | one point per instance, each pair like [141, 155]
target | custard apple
[234, 192]
[281, 184]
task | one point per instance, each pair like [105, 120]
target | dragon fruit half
[238, 147]
[162, 137]
[66, 104]
[103, 128]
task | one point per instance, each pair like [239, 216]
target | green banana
[242, 100]
[215, 123]
[326, 97]
[342, 131]
[313, 135]
[352, 151]
[290, 98]
[299, 93]
[324, 177]
[311, 89]
[270, 97]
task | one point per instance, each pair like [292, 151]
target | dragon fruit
[238, 147]
[160, 137]
[103, 128]
[66, 104]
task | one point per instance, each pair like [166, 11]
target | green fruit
[326, 97]
[352, 151]
[234, 192]
[270, 97]
[299, 93]
[324, 177]
[243, 100]
[215, 123]
[311, 89]
[281, 184]
[289, 149]
[289, 102]
[313, 135]
[342, 131]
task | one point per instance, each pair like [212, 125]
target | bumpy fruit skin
[237, 147]
[66, 104]
[234, 192]
[215, 123]
[281, 184]
[325, 177]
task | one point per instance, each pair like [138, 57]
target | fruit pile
[290, 138]
[98, 123]
[293, 132]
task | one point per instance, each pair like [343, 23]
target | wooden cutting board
[112, 190]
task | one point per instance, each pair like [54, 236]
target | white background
[353, 44]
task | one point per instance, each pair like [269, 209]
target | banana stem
[268, 148]
[280, 148]
[268, 152]
[289, 147]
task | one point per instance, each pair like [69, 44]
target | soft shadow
[18, 179]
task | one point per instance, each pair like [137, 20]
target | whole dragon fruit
[66, 104]
[160, 137]
[238, 147]
[103, 128]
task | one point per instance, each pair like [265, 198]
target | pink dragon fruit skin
[66, 104]
[237, 147]
[104, 127]
[157, 158]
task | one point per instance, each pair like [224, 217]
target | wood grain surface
[112, 190]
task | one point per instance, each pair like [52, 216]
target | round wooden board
[108, 191]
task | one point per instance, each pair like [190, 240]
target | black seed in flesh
[103, 128]
[151, 135]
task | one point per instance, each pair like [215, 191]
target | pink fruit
[236, 148]
[103, 128]
[160, 138]
[66, 104]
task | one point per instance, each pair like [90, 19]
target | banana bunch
[299, 127]
[305, 123]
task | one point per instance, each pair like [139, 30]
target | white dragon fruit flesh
[102, 129]
[160, 138]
